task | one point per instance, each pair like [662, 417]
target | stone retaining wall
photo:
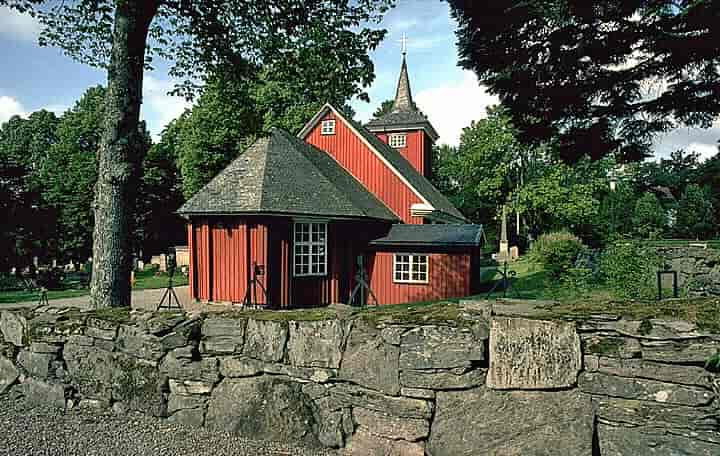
[698, 268]
[486, 384]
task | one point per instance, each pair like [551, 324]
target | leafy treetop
[603, 77]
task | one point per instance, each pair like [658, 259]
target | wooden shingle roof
[282, 174]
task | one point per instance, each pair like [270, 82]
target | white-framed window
[327, 127]
[397, 140]
[410, 268]
[310, 249]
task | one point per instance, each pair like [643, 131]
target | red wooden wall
[357, 158]
[415, 150]
[450, 277]
[219, 261]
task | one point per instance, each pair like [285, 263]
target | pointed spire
[403, 95]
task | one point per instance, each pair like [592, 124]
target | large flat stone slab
[435, 379]
[439, 347]
[640, 368]
[223, 335]
[635, 413]
[316, 343]
[622, 441]
[642, 389]
[265, 340]
[8, 374]
[263, 407]
[370, 361]
[533, 354]
[482, 421]
[679, 352]
[364, 443]
[404, 407]
[14, 328]
[390, 427]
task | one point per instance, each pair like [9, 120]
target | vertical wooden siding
[450, 277]
[221, 265]
[361, 162]
[414, 150]
[192, 268]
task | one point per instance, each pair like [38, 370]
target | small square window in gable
[397, 140]
[327, 127]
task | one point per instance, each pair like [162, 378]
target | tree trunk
[119, 155]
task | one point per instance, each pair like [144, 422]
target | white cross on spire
[403, 43]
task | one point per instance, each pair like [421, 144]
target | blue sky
[32, 78]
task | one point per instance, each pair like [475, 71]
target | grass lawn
[149, 279]
[11, 297]
[533, 282]
[145, 280]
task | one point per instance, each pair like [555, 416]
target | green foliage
[230, 114]
[578, 282]
[325, 41]
[673, 173]
[159, 196]
[629, 268]
[557, 252]
[563, 196]
[709, 177]
[713, 362]
[384, 108]
[612, 219]
[649, 217]
[69, 173]
[207, 138]
[478, 176]
[25, 224]
[695, 213]
[569, 69]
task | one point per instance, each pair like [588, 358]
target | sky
[33, 78]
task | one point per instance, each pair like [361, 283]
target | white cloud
[9, 107]
[705, 150]
[453, 106]
[159, 107]
[18, 26]
[702, 141]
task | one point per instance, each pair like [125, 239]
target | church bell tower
[405, 128]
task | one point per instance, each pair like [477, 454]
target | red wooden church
[285, 223]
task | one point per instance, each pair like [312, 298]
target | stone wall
[698, 268]
[481, 384]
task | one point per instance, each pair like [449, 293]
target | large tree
[25, 225]
[695, 213]
[558, 196]
[603, 77]
[481, 173]
[69, 174]
[328, 37]
[674, 173]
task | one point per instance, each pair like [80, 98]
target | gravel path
[26, 431]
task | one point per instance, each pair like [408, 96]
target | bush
[630, 269]
[649, 217]
[557, 252]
